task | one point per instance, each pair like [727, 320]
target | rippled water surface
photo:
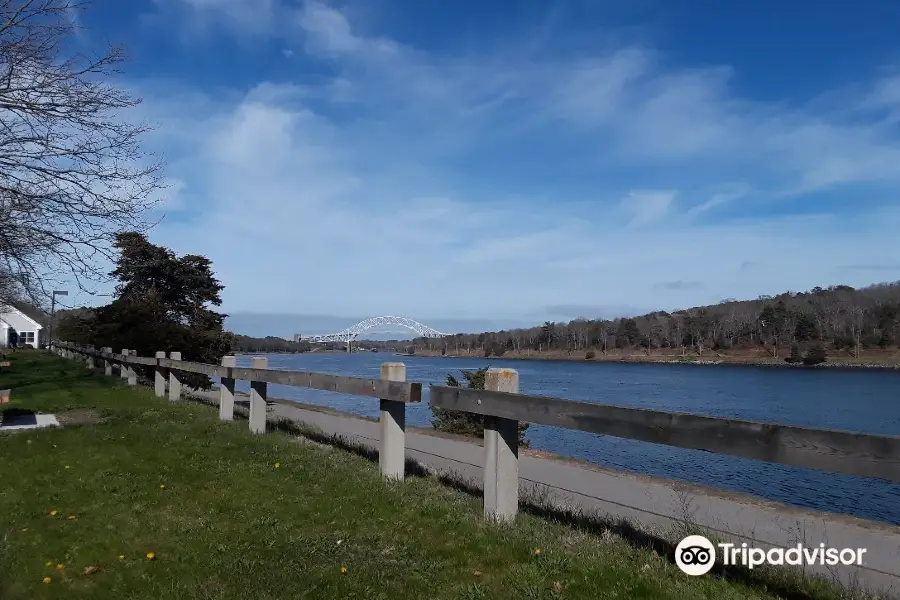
[866, 401]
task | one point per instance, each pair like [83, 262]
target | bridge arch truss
[351, 333]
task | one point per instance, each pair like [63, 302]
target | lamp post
[53, 310]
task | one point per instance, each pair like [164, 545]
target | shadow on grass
[17, 415]
[413, 468]
[786, 584]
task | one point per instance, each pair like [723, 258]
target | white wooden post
[88, 358]
[132, 372]
[174, 380]
[226, 391]
[258, 393]
[123, 367]
[160, 376]
[392, 454]
[107, 364]
[501, 453]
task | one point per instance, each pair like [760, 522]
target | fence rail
[865, 455]
[828, 450]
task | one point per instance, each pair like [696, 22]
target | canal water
[854, 400]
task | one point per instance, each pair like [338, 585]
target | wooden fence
[865, 455]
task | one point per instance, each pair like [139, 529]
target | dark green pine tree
[163, 303]
[466, 423]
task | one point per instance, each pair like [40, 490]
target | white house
[18, 328]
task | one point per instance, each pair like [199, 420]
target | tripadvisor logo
[696, 555]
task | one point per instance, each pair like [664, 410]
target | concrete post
[107, 364]
[159, 377]
[392, 453]
[501, 453]
[174, 380]
[226, 391]
[123, 367]
[132, 373]
[88, 358]
[258, 393]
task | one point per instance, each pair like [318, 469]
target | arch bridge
[351, 333]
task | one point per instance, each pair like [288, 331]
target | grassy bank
[138, 498]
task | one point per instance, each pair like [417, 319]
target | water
[855, 400]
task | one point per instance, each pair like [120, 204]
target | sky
[514, 162]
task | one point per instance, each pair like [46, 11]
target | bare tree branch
[72, 172]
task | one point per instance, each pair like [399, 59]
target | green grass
[229, 524]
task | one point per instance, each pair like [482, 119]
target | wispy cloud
[648, 206]
[402, 180]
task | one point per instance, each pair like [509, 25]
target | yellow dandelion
[49, 563]
[278, 464]
[343, 569]
[24, 529]
[68, 467]
[53, 513]
[121, 557]
[60, 567]
[162, 486]
[47, 580]
[151, 556]
[72, 517]
[537, 551]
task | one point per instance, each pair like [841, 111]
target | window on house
[26, 337]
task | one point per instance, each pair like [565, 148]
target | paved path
[657, 506]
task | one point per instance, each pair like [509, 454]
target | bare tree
[72, 173]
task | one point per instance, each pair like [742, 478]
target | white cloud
[647, 206]
[303, 211]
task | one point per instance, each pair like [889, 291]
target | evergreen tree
[466, 423]
[162, 303]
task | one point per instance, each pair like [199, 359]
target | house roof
[6, 310]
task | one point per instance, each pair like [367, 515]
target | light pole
[53, 310]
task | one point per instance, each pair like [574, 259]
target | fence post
[392, 454]
[501, 453]
[123, 367]
[107, 364]
[88, 358]
[226, 391]
[132, 372]
[174, 380]
[258, 393]
[159, 378]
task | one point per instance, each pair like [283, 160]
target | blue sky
[515, 162]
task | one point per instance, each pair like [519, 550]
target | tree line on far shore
[794, 326]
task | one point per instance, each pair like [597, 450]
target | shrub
[589, 355]
[795, 356]
[466, 423]
[815, 356]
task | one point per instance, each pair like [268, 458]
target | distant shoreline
[888, 361]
